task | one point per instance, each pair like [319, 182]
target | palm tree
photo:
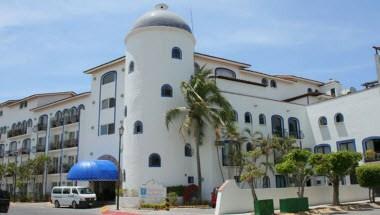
[205, 105]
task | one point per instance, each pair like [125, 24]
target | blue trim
[364, 141]
[323, 144]
[338, 143]
[100, 96]
[282, 124]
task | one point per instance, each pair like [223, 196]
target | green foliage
[368, 175]
[155, 206]
[176, 189]
[173, 197]
[296, 163]
[205, 105]
[336, 164]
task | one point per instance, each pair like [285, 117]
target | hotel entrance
[105, 190]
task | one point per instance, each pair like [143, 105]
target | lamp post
[121, 131]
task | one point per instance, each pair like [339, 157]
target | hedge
[368, 175]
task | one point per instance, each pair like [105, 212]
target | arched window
[24, 126]
[74, 114]
[247, 117]
[225, 72]
[81, 107]
[262, 120]
[322, 149]
[309, 90]
[273, 84]
[109, 77]
[59, 118]
[294, 127]
[264, 81]
[138, 127]
[166, 91]
[176, 53]
[66, 116]
[249, 147]
[188, 151]
[131, 67]
[26, 145]
[235, 116]
[42, 122]
[154, 160]
[266, 182]
[339, 118]
[322, 121]
[277, 126]
[30, 123]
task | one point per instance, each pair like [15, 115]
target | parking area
[48, 209]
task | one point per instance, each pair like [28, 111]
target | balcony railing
[53, 170]
[25, 150]
[41, 127]
[55, 145]
[56, 123]
[66, 167]
[16, 132]
[12, 152]
[71, 143]
[72, 120]
[40, 147]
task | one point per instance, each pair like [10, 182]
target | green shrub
[155, 206]
[176, 189]
[173, 197]
[368, 175]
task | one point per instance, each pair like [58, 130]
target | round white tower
[160, 55]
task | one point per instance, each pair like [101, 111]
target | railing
[16, 132]
[56, 123]
[72, 120]
[40, 148]
[12, 152]
[55, 145]
[71, 143]
[53, 170]
[41, 127]
[66, 167]
[25, 150]
[375, 157]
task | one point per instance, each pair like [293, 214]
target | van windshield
[85, 191]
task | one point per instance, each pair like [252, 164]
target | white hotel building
[137, 90]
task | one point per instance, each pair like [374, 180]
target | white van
[73, 196]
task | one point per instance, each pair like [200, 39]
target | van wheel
[56, 204]
[74, 205]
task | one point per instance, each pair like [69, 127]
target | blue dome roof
[160, 16]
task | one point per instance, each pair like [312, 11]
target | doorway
[105, 190]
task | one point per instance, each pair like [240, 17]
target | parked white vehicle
[73, 196]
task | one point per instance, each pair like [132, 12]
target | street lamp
[121, 131]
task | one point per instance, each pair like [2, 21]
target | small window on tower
[166, 91]
[176, 53]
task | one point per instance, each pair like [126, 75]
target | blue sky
[45, 45]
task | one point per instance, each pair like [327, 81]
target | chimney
[377, 61]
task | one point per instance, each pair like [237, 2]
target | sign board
[152, 192]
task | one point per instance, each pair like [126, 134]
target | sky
[46, 45]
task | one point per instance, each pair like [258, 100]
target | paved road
[48, 209]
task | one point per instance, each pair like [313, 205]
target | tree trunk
[336, 191]
[253, 192]
[198, 157]
[219, 164]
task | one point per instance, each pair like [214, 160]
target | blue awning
[95, 170]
